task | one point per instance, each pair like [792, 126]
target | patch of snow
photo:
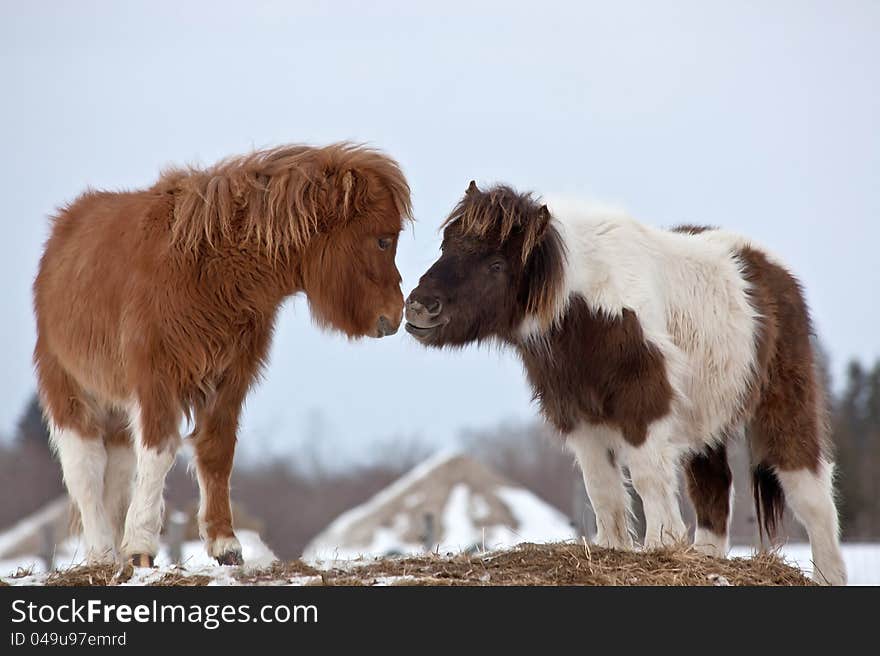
[459, 532]
[194, 560]
[862, 559]
[304, 580]
[382, 581]
[340, 526]
[480, 508]
[537, 521]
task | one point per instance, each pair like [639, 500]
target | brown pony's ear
[472, 188]
[347, 184]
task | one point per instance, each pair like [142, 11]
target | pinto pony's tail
[769, 500]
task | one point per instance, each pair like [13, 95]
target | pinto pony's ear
[472, 188]
[535, 231]
[544, 273]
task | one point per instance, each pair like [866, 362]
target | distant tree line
[856, 432]
[294, 502]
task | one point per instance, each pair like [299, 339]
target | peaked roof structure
[449, 503]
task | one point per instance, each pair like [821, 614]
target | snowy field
[862, 560]
[863, 563]
[194, 559]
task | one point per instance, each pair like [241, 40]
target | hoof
[231, 557]
[141, 560]
[125, 572]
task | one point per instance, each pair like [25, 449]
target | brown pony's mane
[278, 198]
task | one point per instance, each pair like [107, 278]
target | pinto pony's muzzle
[423, 314]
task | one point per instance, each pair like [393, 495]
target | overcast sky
[760, 117]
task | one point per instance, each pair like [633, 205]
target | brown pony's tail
[769, 500]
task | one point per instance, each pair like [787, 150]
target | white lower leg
[144, 519]
[653, 467]
[118, 485]
[83, 461]
[604, 484]
[811, 497]
[711, 543]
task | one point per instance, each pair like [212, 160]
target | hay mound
[574, 564]
[527, 564]
[83, 575]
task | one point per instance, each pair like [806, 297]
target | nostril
[434, 306]
[384, 327]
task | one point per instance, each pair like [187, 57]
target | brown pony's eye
[496, 266]
[385, 243]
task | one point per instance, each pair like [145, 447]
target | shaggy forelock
[278, 197]
[499, 212]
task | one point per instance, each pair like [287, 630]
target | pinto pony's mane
[278, 198]
[508, 217]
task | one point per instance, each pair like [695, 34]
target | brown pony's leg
[214, 440]
[75, 436]
[119, 472]
[709, 484]
[154, 424]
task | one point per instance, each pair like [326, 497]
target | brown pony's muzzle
[384, 327]
[390, 317]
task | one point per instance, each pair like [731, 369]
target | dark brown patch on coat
[708, 482]
[785, 411]
[787, 405]
[600, 370]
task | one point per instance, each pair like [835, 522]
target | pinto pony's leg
[653, 468]
[811, 496]
[593, 448]
[787, 441]
[156, 441]
[710, 486]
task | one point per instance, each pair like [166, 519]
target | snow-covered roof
[27, 535]
[449, 503]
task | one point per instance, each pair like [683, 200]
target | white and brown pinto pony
[159, 304]
[649, 349]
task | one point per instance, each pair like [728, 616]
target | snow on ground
[194, 560]
[862, 559]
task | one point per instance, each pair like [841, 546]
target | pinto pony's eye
[385, 243]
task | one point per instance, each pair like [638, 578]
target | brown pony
[159, 304]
